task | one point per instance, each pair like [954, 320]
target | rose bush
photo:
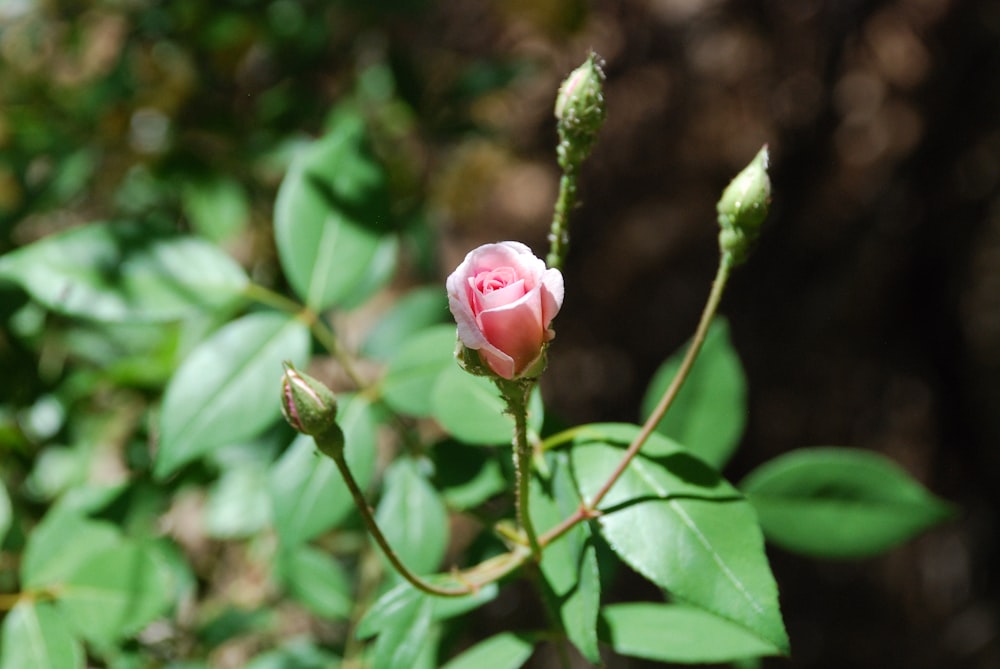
[504, 299]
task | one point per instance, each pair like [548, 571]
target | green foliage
[677, 522]
[224, 392]
[502, 651]
[840, 502]
[35, 635]
[677, 633]
[148, 484]
[125, 273]
[330, 214]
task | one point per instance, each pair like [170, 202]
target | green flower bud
[743, 208]
[580, 110]
[311, 408]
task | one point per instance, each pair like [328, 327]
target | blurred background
[869, 315]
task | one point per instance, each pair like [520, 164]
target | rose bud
[307, 404]
[504, 299]
[743, 208]
[580, 111]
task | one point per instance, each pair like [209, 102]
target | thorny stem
[559, 232]
[516, 394]
[586, 510]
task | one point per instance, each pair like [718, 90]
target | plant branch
[517, 394]
[559, 232]
[390, 554]
[587, 511]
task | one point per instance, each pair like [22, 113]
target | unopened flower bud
[308, 405]
[580, 110]
[743, 208]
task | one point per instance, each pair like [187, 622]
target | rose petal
[516, 330]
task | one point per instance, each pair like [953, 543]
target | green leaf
[382, 613]
[121, 272]
[413, 518]
[709, 414]
[115, 593]
[471, 409]
[308, 497]
[502, 651]
[570, 564]
[466, 476]
[6, 515]
[678, 633]
[318, 581]
[297, 654]
[227, 388]
[378, 273]
[217, 206]
[46, 562]
[34, 635]
[411, 314]
[840, 502]
[403, 640]
[415, 367]
[329, 213]
[679, 524]
[238, 504]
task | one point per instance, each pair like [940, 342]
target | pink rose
[503, 299]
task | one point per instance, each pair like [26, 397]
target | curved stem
[390, 554]
[708, 312]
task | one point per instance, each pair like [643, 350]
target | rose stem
[516, 395]
[708, 312]
[376, 532]
[559, 232]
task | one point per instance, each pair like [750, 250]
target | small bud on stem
[311, 408]
[743, 208]
[581, 111]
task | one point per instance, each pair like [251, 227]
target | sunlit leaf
[413, 517]
[412, 313]
[839, 502]
[414, 368]
[123, 272]
[115, 593]
[709, 414]
[405, 638]
[6, 515]
[471, 409]
[329, 214]
[297, 654]
[46, 561]
[35, 635]
[227, 388]
[678, 633]
[678, 523]
[502, 651]
[318, 581]
[238, 504]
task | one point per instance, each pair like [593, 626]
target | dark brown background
[869, 316]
